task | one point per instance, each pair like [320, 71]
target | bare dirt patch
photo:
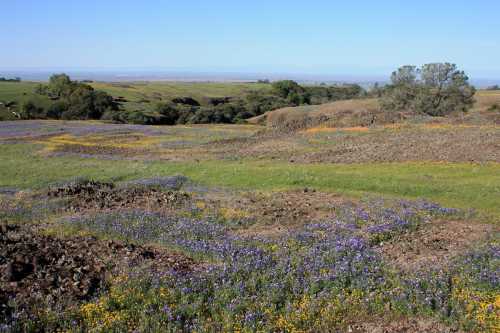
[433, 244]
[407, 325]
[279, 212]
[294, 207]
[91, 195]
[96, 150]
[41, 268]
[377, 145]
[464, 144]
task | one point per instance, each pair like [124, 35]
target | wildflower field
[227, 228]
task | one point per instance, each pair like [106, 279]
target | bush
[115, 116]
[169, 112]
[140, 118]
[56, 110]
[435, 89]
[29, 110]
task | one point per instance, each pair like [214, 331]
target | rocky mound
[37, 268]
[79, 187]
[90, 195]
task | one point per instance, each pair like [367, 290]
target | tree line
[79, 101]
[434, 89]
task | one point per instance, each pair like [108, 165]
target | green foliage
[60, 85]
[139, 118]
[434, 89]
[259, 103]
[286, 88]
[29, 110]
[114, 116]
[73, 100]
[236, 110]
[170, 113]
[56, 110]
[326, 94]
[63, 98]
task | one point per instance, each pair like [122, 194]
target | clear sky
[315, 36]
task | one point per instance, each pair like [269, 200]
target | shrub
[169, 112]
[115, 116]
[139, 118]
[29, 110]
[435, 89]
[56, 110]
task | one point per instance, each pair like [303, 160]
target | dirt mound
[38, 268]
[279, 212]
[367, 112]
[79, 187]
[434, 244]
[349, 113]
[88, 195]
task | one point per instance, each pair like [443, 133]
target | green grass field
[460, 185]
[139, 95]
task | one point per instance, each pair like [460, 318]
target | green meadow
[138, 95]
[461, 185]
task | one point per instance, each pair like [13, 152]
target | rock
[37, 267]
[153, 192]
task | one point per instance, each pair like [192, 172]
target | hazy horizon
[186, 75]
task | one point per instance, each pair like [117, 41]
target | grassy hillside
[138, 95]
[19, 92]
[365, 112]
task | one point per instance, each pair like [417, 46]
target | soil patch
[90, 195]
[96, 150]
[294, 207]
[38, 268]
[408, 325]
[280, 212]
[433, 245]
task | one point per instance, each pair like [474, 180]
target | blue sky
[315, 36]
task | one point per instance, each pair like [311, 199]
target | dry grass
[366, 112]
[485, 99]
